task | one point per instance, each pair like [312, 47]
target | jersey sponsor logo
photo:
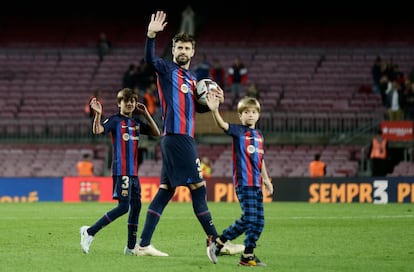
[127, 137]
[184, 88]
[251, 149]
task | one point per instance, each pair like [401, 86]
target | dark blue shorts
[126, 188]
[180, 162]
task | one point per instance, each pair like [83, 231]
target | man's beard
[181, 61]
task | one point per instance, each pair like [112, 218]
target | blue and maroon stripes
[125, 142]
[175, 91]
[248, 155]
[177, 103]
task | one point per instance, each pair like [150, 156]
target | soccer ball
[202, 88]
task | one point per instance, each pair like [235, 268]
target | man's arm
[156, 24]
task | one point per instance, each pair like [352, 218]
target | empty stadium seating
[310, 79]
[49, 160]
[403, 169]
[299, 79]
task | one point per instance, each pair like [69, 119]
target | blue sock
[154, 212]
[201, 211]
[110, 216]
[135, 208]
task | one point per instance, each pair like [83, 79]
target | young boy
[125, 131]
[249, 172]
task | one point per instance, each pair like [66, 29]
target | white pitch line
[338, 217]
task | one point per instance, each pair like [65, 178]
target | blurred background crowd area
[310, 66]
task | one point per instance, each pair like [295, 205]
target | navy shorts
[126, 188]
[180, 162]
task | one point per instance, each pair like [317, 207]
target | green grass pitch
[44, 236]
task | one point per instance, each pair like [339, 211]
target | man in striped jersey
[180, 160]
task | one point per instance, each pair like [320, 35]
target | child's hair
[247, 102]
[126, 94]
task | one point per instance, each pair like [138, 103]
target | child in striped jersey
[125, 131]
[249, 173]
